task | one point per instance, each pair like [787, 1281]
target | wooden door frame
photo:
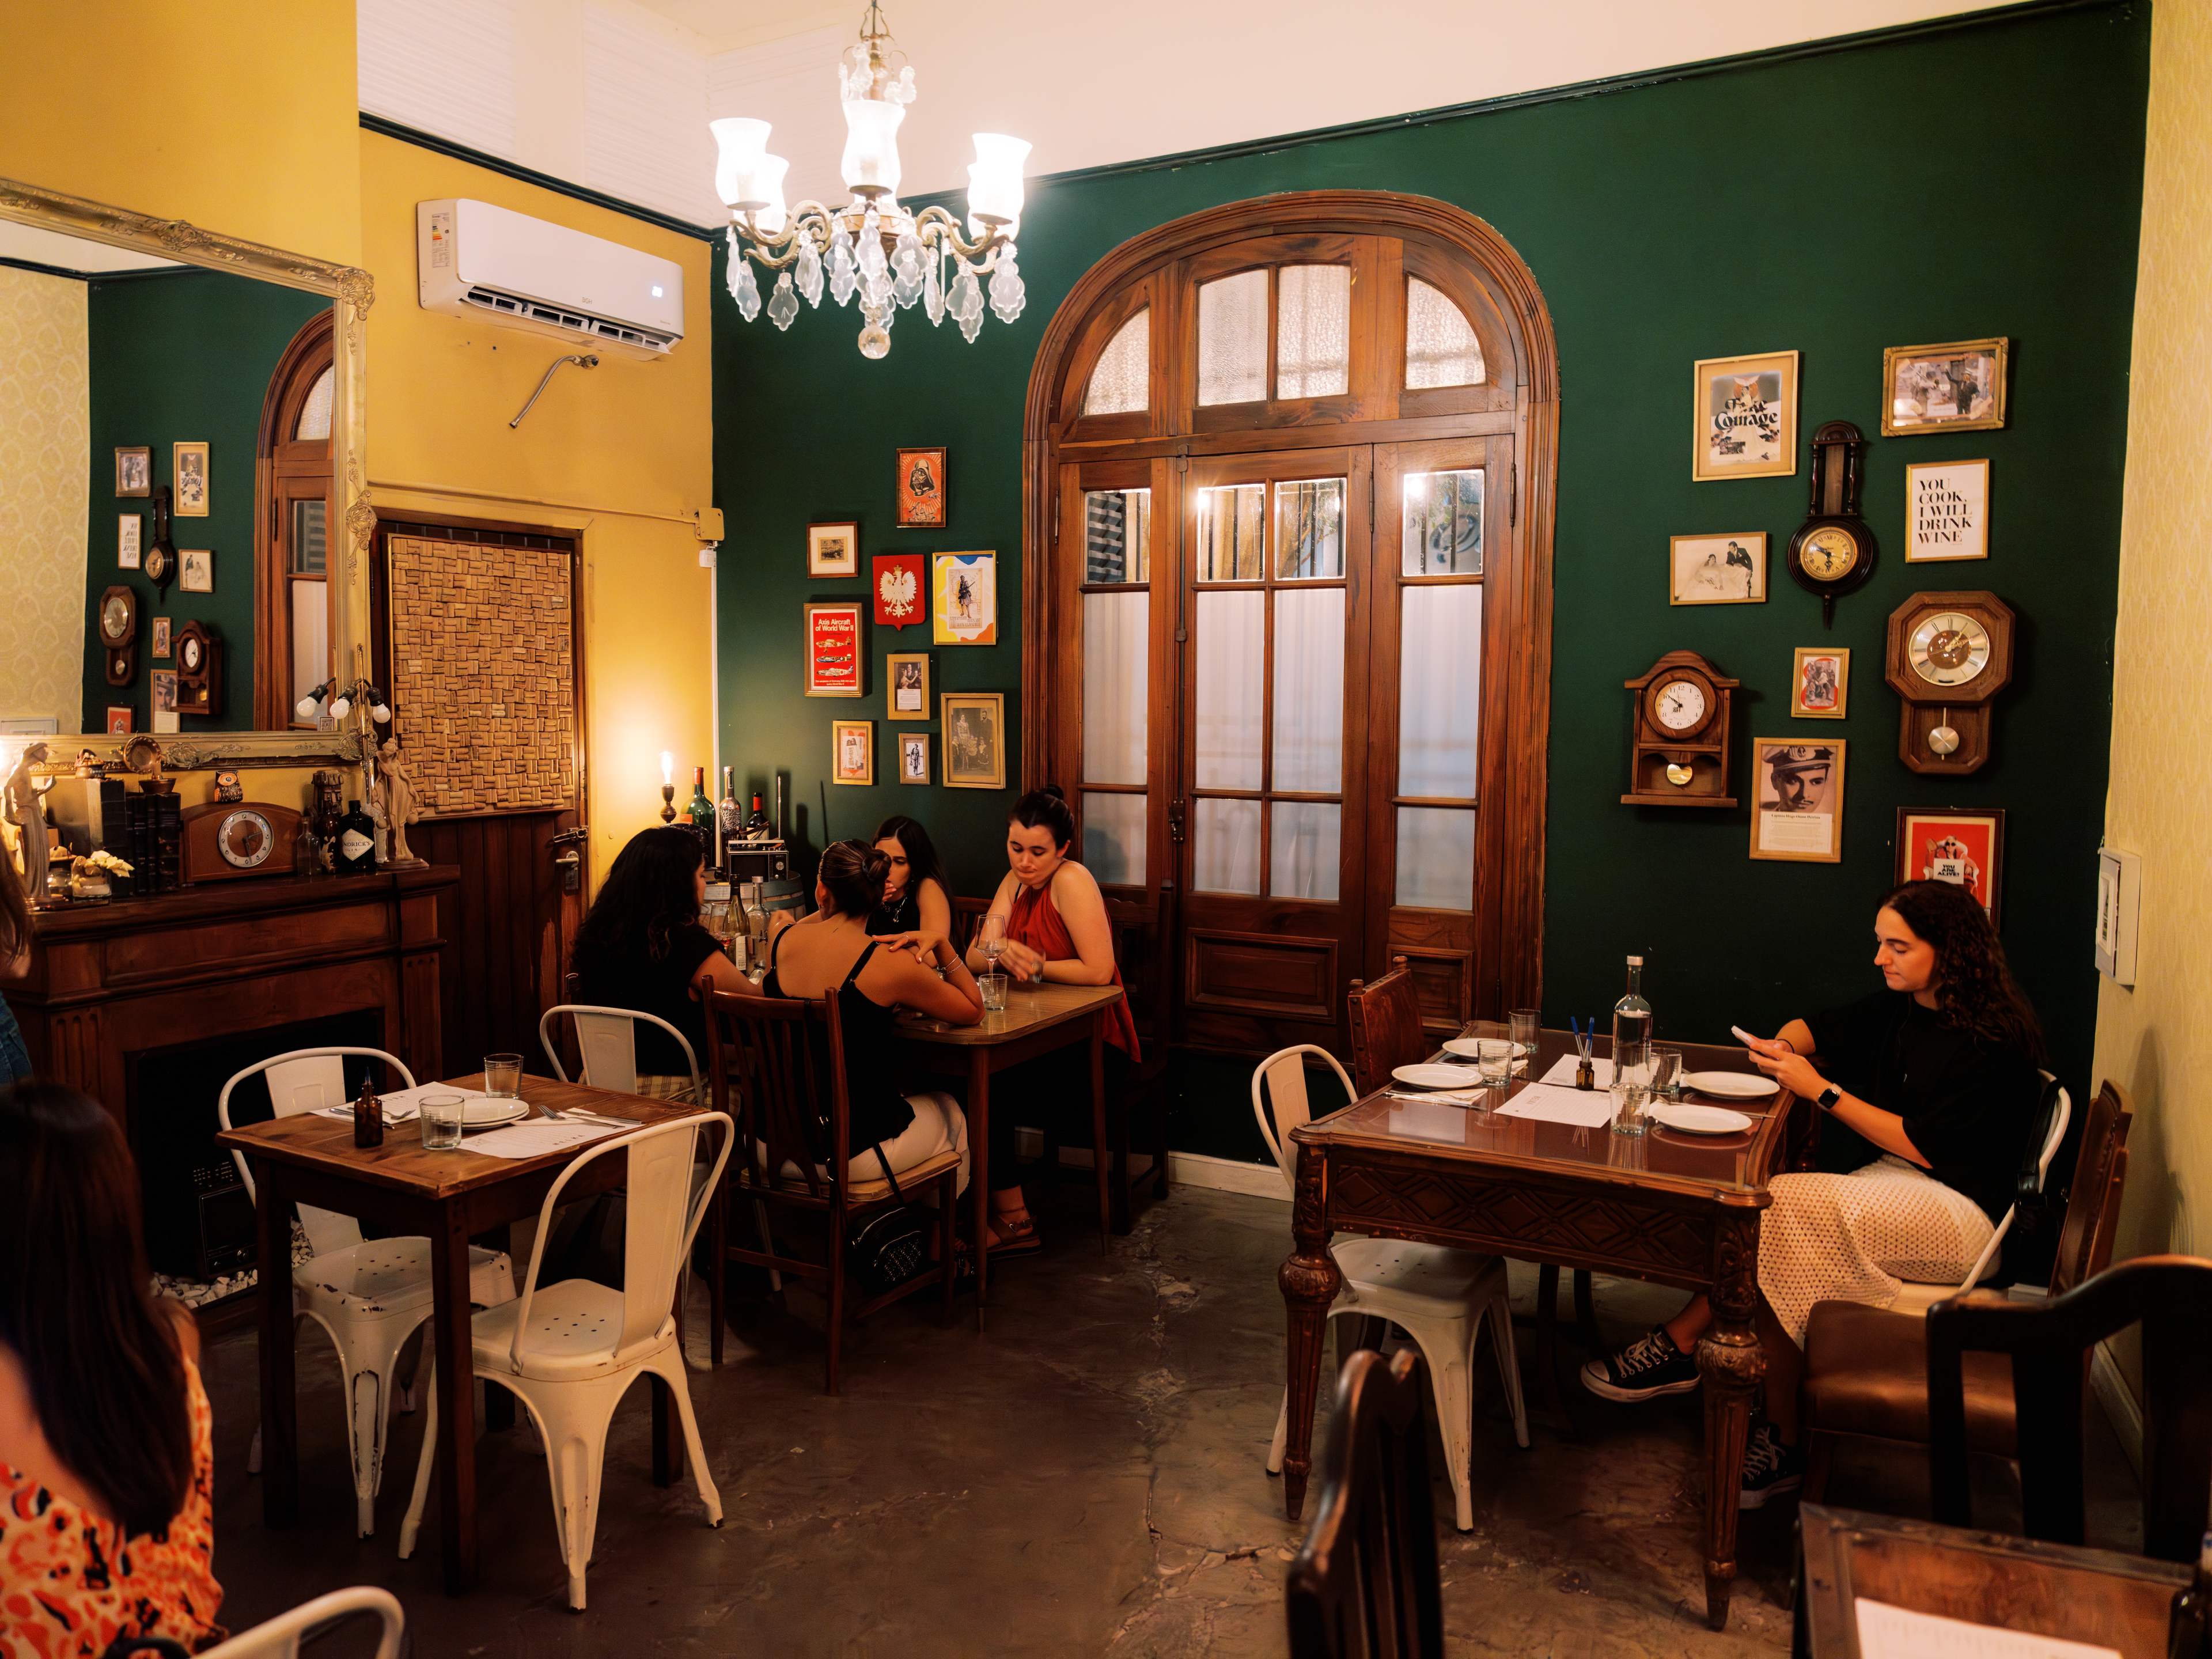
[1509, 919]
[272, 594]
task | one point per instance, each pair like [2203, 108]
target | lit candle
[667, 769]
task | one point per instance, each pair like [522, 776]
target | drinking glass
[441, 1117]
[502, 1075]
[1493, 1061]
[1667, 1072]
[1632, 1086]
[1523, 1026]
[993, 987]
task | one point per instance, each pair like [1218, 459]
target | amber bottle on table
[367, 1116]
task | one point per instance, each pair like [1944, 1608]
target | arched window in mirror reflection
[292, 527]
[1122, 381]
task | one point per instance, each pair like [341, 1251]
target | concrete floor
[1085, 1478]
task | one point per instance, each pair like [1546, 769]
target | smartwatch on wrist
[1830, 1097]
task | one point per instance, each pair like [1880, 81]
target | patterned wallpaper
[2151, 1039]
[45, 403]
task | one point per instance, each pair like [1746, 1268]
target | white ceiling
[51, 248]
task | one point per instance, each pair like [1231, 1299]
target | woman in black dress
[917, 896]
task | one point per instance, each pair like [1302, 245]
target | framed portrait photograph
[196, 571]
[129, 529]
[837, 649]
[921, 490]
[160, 636]
[118, 722]
[1950, 845]
[190, 462]
[833, 550]
[1820, 682]
[1959, 387]
[1797, 804]
[1745, 415]
[1717, 570]
[964, 589]
[914, 756]
[974, 740]
[909, 692]
[1946, 511]
[134, 472]
[165, 690]
[852, 751]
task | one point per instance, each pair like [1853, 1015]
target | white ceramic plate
[1697, 1119]
[484, 1113]
[1733, 1085]
[1465, 1049]
[1437, 1076]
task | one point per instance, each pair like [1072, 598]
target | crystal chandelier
[872, 246]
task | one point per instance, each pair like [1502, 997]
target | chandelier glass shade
[871, 249]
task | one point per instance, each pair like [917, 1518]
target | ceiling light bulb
[768, 185]
[994, 182]
[741, 142]
[872, 158]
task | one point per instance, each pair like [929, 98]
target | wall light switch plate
[2119, 903]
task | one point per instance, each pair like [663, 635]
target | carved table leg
[1309, 1281]
[1733, 1367]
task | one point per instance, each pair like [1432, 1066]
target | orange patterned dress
[71, 1583]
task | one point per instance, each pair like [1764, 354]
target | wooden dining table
[1668, 1205]
[449, 1197]
[1037, 1019]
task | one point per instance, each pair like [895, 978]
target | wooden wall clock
[1832, 552]
[1678, 741]
[1949, 656]
[198, 649]
[225, 841]
[118, 634]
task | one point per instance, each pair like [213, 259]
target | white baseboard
[2122, 1409]
[1220, 1175]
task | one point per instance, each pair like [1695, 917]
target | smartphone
[1746, 1037]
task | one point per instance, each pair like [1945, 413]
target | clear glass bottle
[1631, 1015]
[756, 928]
[729, 819]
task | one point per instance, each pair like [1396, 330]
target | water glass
[1632, 1087]
[993, 987]
[502, 1076]
[1493, 1061]
[441, 1117]
[1522, 1027]
[1667, 1072]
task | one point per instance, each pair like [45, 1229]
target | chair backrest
[2050, 1342]
[658, 1222]
[606, 1045]
[968, 915]
[307, 1080]
[280, 1638]
[781, 1085]
[1283, 1074]
[2093, 1202]
[1386, 1026]
[2052, 1113]
[1365, 1583]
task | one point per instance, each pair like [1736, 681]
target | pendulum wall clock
[1832, 552]
[1949, 656]
[118, 634]
[1678, 740]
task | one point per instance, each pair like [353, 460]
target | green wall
[1982, 180]
[182, 356]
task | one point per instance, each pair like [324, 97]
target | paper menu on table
[1546, 1103]
[1562, 1072]
[1894, 1632]
[536, 1139]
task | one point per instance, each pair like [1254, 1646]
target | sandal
[1015, 1239]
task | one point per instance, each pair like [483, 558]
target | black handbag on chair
[891, 1245]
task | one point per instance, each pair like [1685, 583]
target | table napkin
[1549, 1103]
[535, 1140]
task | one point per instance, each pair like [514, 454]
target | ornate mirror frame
[351, 292]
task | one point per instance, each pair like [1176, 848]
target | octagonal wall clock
[1949, 656]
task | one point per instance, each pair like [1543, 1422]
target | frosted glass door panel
[1116, 658]
[1231, 692]
[1435, 858]
[1302, 857]
[1442, 523]
[1117, 535]
[1441, 348]
[314, 423]
[1232, 339]
[1225, 847]
[1114, 837]
[1313, 331]
[1309, 529]
[311, 636]
[1232, 531]
[1309, 737]
[1439, 690]
[1122, 380]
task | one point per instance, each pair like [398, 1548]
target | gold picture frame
[853, 751]
[1797, 800]
[975, 725]
[1743, 416]
[1820, 682]
[134, 470]
[188, 472]
[913, 758]
[1918, 380]
[906, 685]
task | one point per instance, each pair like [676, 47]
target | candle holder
[668, 803]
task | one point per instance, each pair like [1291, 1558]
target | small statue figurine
[23, 803]
[88, 764]
[229, 790]
[395, 802]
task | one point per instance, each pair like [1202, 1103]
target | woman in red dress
[1047, 922]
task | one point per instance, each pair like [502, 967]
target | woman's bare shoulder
[1073, 880]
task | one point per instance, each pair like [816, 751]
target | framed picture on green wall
[1744, 416]
[190, 462]
[129, 528]
[1723, 570]
[1958, 387]
[134, 470]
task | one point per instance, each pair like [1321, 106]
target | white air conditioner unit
[472, 259]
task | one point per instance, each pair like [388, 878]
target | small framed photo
[1949, 845]
[852, 751]
[1959, 387]
[134, 474]
[129, 528]
[974, 740]
[191, 461]
[964, 594]
[1821, 683]
[1797, 812]
[165, 690]
[908, 672]
[921, 490]
[1745, 415]
[160, 636]
[833, 550]
[196, 571]
[1717, 570]
[914, 756]
[837, 649]
[118, 722]
[1946, 511]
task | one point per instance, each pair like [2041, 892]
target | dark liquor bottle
[356, 846]
[368, 1117]
[702, 813]
[729, 818]
[756, 826]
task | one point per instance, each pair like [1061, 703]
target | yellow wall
[2152, 1039]
[45, 413]
[627, 446]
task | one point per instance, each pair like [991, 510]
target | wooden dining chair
[1365, 1585]
[968, 915]
[2049, 1345]
[777, 1066]
[1386, 1027]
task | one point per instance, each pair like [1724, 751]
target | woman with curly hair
[1929, 1087]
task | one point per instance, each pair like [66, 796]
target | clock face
[1830, 553]
[188, 653]
[1680, 705]
[244, 838]
[157, 566]
[115, 618]
[1948, 648]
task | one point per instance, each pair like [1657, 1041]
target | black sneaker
[1769, 1468]
[1647, 1368]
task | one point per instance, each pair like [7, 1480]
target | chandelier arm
[934, 224]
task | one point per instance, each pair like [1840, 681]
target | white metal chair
[369, 1297]
[1440, 1297]
[1918, 1298]
[280, 1638]
[570, 1351]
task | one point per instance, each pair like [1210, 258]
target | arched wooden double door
[1288, 493]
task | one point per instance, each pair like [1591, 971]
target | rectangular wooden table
[2097, 1596]
[1672, 1208]
[448, 1198]
[1036, 1020]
